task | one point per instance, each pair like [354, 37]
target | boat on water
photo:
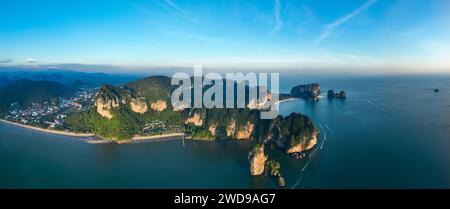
[299, 155]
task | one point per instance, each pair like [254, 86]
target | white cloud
[181, 12]
[31, 60]
[277, 16]
[330, 27]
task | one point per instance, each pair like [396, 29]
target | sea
[393, 131]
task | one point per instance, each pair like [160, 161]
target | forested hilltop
[25, 92]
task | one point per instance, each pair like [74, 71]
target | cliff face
[159, 105]
[108, 98]
[305, 144]
[221, 123]
[139, 105]
[231, 128]
[257, 160]
[104, 107]
[152, 93]
[308, 91]
[294, 133]
[195, 120]
[245, 131]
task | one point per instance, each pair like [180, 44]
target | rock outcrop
[139, 105]
[159, 105]
[245, 132]
[107, 98]
[111, 97]
[294, 133]
[308, 91]
[281, 182]
[332, 95]
[231, 128]
[196, 120]
[104, 107]
[273, 168]
[257, 160]
[305, 144]
[212, 128]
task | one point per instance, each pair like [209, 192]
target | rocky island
[311, 92]
[304, 91]
[307, 91]
[332, 95]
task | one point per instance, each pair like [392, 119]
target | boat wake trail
[312, 153]
[301, 174]
[302, 171]
[324, 139]
[324, 134]
[326, 126]
[306, 166]
[377, 106]
[298, 181]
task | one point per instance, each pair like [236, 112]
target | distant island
[311, 92]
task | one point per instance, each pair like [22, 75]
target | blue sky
[317, 35]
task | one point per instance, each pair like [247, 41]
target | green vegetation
[122, 127]
[199, 133]
[167, 116]
[256, 148]
[297, 128]
[26, 92]
[153, 88]
[125, 123]
[272, 168]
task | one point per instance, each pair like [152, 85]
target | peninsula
[141, 111]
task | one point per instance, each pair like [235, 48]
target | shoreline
[286, 100]
[154, 138]
[94, 139]
[56, 132]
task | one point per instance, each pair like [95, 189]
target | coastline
[286, 100]
[94, 139]
[154, 138]
[63, 133]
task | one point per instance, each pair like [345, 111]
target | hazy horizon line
[120, 69]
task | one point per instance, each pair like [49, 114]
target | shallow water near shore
[392, 132]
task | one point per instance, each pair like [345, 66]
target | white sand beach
[94, 139]
[63, 133]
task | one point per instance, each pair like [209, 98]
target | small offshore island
[141, 110]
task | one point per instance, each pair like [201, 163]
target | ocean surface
[391, 132]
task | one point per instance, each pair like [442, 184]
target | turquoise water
[392, 132]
